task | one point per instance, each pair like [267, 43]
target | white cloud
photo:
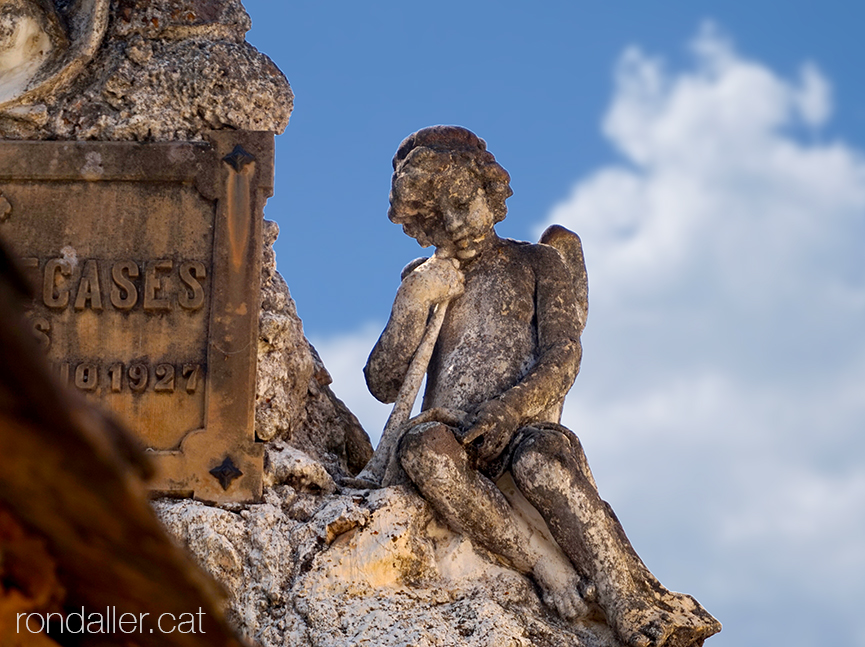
[716, 185]
[721, 401]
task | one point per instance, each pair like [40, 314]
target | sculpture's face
[25, 44]
[446, 208]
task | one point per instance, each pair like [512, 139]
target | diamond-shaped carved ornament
[226, 472]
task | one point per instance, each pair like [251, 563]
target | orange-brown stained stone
[146, 262]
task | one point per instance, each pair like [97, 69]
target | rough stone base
[293, 400]
[306, 568]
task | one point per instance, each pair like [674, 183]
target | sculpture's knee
[426, 449]
[546, 460]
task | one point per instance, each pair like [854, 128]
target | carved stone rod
[378, 466]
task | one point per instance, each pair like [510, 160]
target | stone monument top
[139, 216]
[144, 70]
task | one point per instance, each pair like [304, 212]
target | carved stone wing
[570, 247]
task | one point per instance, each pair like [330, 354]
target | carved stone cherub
[506, 356]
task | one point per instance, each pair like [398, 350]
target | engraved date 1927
[136, 377]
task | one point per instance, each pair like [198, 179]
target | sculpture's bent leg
[551, 471]
[472, 504]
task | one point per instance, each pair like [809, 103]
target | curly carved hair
[433, 149]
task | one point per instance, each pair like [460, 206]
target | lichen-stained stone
[142, 70]
[177, 19]
[291, 466]
[459, 548]
[159, 71]
[505, 319]
[366, 568]
[146, 261]
[294, 401]
[285, 361]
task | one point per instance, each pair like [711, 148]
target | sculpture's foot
[663, 619]
[563, 589]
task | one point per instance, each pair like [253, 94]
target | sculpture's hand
[451, 417]
[494, 424]
[436, 280]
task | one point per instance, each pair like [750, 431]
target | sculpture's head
[31, 34]
[448, 190]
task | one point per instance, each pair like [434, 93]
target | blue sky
[712, 156]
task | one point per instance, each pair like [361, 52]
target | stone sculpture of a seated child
[507, 354]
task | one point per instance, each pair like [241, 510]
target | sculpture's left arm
[559, 352]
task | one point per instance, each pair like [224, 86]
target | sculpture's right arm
[389, 360]
[430, 282]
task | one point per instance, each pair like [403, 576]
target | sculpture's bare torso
[493, 320]
[489, 340]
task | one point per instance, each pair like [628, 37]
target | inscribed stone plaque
[147, 262]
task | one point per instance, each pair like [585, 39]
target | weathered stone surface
[469, 563]
[160, 70]
[294, 401]
[164, 70]
[332, 433]
[285, 361]
[473, 563]
[146, 260]
[289, 465]
[361, 568]
[43, 48]
[178, 19]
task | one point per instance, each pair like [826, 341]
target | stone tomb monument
[147, 264]
[146, 261]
